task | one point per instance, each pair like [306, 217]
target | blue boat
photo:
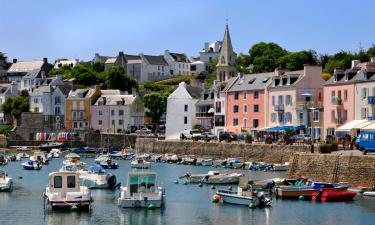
[31, 165]
[109, 164]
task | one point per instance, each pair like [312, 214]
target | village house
[179, 63]
[65, 62]
[153, 68]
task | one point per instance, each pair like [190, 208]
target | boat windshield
[142, 183]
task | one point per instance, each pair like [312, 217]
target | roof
[179, 57]
[194, 91]
[252, 82]
[26, 66]
[132, 57]
[33, 73]
[101, 58]
[65, 89]
[156, 60]
[111, 92]
[79, 93]
[40, 90]
[340, 78]
[229, 83]
[116, 99]
[111, 60]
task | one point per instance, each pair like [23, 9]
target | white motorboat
[22, 155]
[370, 193]
[55, 153]
[141, 191]
[156, 158]
[101, 158]
[40, 158]
[97, 178]
[74, 160]
[140, 163]
[215, 177]
[6, 183]
[32, 165]
[64, 191]
[207, 162]
[280, 167]
[244, 197]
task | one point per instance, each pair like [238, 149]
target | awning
[365, 124]
[370, 127]
[350, 125]
[285, 127]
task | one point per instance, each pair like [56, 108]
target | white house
[7, 91]
[153, 68]
[181, 111]
[179, 63]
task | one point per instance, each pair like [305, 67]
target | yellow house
[78, 108]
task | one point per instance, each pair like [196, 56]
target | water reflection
[140, 216]
[58, 218]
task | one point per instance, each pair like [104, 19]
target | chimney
[355, 63]
[45, 60]
[240, 75]
[278, 72]
[206, 46]
[121, 53]
[14, 60]
[96, 54]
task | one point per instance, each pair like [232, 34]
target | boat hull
[369, 193]
[296, 193]
[235, 199]
[135, 203]
[8, 187]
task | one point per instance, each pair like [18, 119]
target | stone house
[179, 63]
[153, 68]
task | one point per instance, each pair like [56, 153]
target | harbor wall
[216, 150]
[357, 170]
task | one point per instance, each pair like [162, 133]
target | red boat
[333, 195]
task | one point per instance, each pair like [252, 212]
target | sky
[77, 29]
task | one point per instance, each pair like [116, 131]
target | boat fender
[252, 205]
[301, 197]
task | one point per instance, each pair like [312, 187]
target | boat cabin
[64, 182]
[3, 174]
[141, 182]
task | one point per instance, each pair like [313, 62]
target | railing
[303, 105]
[279, 108]
[203, 114]
[337, 101]
[371, 100]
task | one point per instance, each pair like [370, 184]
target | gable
[180, 93]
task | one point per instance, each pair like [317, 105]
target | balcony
[303, 105]
[339, 121]
[371, 100]
[203, 114]
[337, 101]
[278, 108]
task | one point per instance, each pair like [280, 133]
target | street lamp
[312, 129]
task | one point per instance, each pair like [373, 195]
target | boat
[235, 163]
[140, 163]
[40, 158]
[207, 162]
[64, 192]
[280, 167]
[172, 159]
[306, 190]
[370, 193]
[32, 165]
[6, 182]
[244, 196]
[219, 162]
[156, 158]
[101, 158]
[81, 150]
[3, 160]
[215, 177]
[55, 153]
[188, 161]
[97, 178]
[109, 164]
[333, 195]
[22, 155]
[141, 191]
[49, 146]
[74, 160]
[358, 189]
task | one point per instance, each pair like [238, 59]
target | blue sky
[80, 28]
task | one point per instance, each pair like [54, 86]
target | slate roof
[350, 77]
[179, 57]
[40, 90]
[194, 91]
[132, 57]
[256, 81]
[25, 66]
[114, 99]
[156, 60]
[33, 74]
[65, 89]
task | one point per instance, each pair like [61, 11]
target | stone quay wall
[357, 170]
[258, 152]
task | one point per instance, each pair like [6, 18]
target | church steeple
[226, 66]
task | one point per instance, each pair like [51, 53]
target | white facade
[153, 72]
[179, 65]
[180, 112]
[364, 110]
[10, 90]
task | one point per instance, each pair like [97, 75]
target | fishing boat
[140, 163]
[97, 178]
[40, 158]
[280, 167]
[49, 146]
[333, 195]
[6, 182]
[64, 191]
[101, 158]
[188, 161]
[235, 163]
[109, 164]
[156, 158]
[22, 155]
[141, 191]
[244, 197]
[207, 162]
[215, 177]
[32, 165]
[74, 160]
[172, 159]
[306, 190]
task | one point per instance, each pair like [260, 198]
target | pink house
[339, 100]
[246, 102]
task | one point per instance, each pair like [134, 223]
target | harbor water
[185, 204]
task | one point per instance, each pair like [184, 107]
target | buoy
[301, 197]
[200, 185]
[230, 188]
[213, 187]
[73, 208]
[176, 181]
[20, 177]
[151, 206]
[252, 205]
[218, 197]
[214, 200]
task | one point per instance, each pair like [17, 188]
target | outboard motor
[269, 185]
[111, 180]
[262, 201]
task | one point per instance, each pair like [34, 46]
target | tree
[242, 63]
[296, 60]
[371, 51]
[117, 79]
[156, 105]
[83, 75]
[65, 70]
[4, 61]
[213, 73]
[15, 106]
[264, 56]
[341, 59]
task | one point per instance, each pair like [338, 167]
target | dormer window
[276, 82]
[251, 81]
[265, 80]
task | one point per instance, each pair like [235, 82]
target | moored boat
[97, 178]
[3, 160]
[216, 177]
[140, 163]
[207, 162]
[142, 191]
[6, 182]
[370, 193]
[280, 167]
[244, 197]
[32, 165]
[64, 191]
[109, 164]
[333, 195]
[74, 160]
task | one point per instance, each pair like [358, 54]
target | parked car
[190, 134]
[300, 138]
[144, 130]
[242, 136]
[224, 135]
[208, 136]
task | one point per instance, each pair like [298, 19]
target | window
[81, 105]
[100, 122]
[185, 120]
[57, 111]
[244, 95]
[113, 122]
[333, 116]
[112, 112]
[280, 102]
[256, 108]
[36, 100]
[273, 117]
[235, 95]
[273, 100]
[235, 122]
[74, 115]
[218, 107]
[256, 94]
[75, 125]
[245, 108]
[316, 115]
[57, 182]
[235, 108]
[345, 95]
[288, 100]
[57, 100]
[81, 115]
[288, 117]
[121, 112]
[364, 93]
[255, 123]
[100, 112]
[244, 122]
[74, 105]
[120, 122]
[71, 181]
[332, 94]
[339, 94]
[185, 108]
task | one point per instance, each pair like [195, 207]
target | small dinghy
[32, 165]
[97, 178]
[6, 183]
[140, 163]
[109, 164]
[370, 193]
[74, 160]
[55, 153]
[244, 197]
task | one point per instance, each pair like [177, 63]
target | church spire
[226, 66]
